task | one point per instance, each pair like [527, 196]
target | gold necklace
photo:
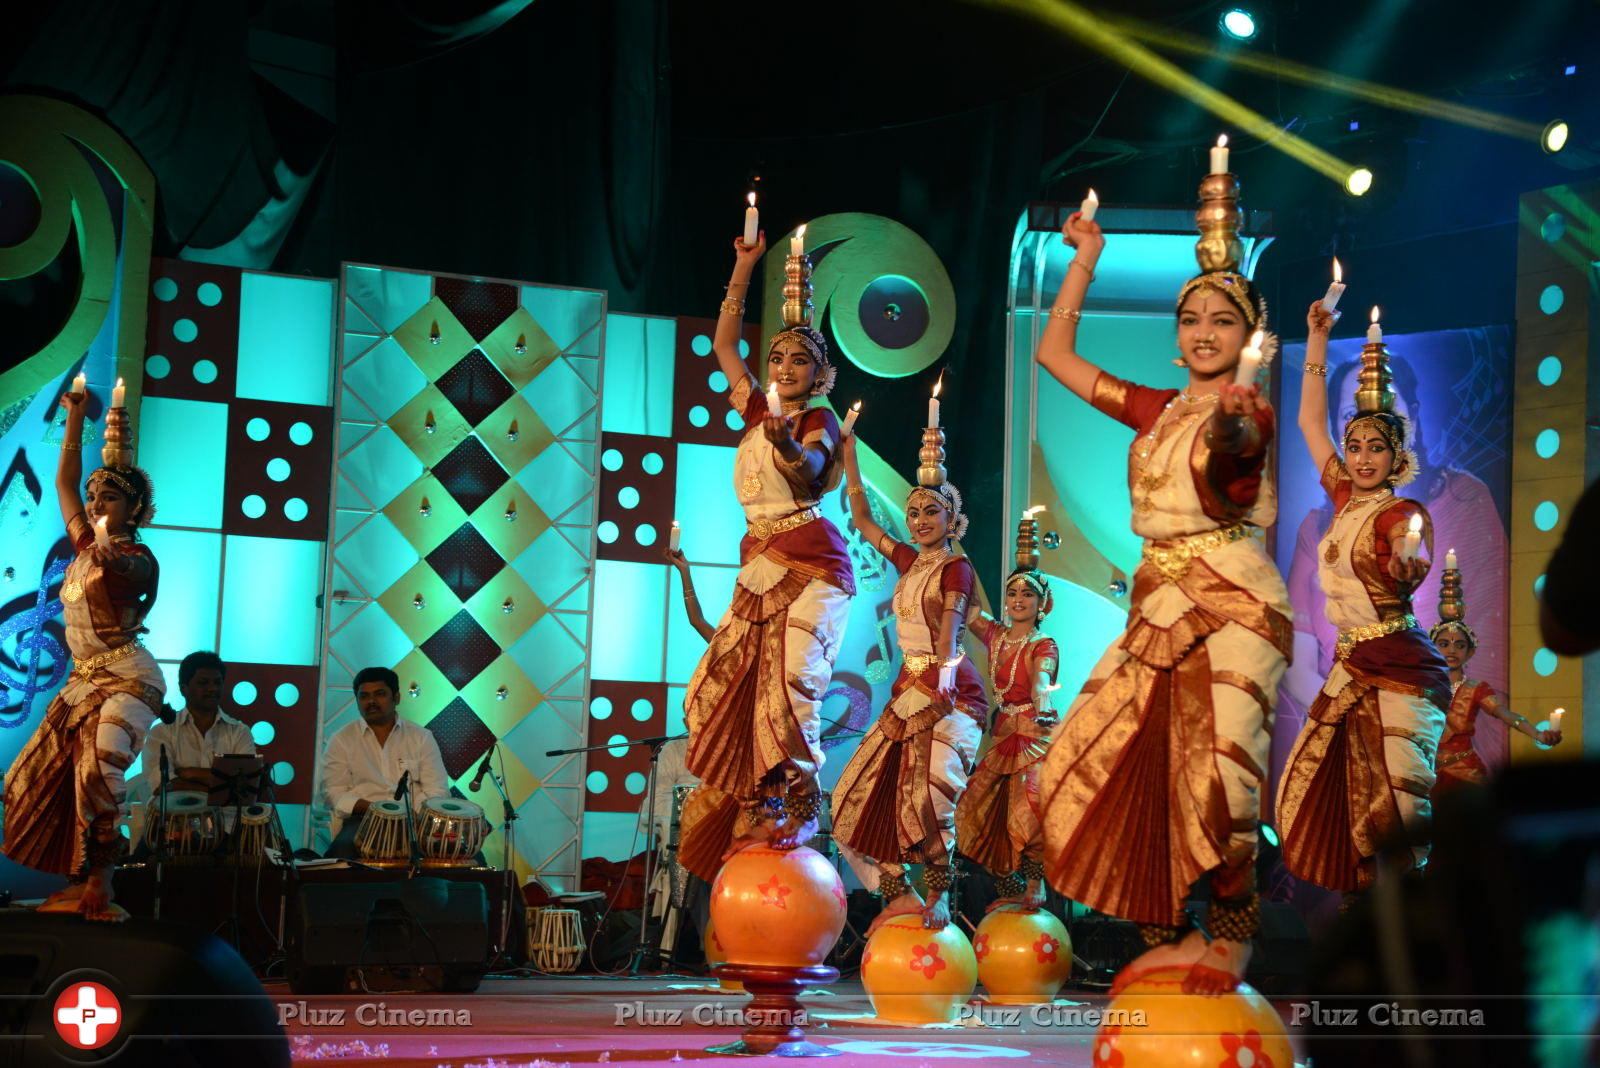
[905, 604]
[999, 654]
[1151, 483]
[1331, 553]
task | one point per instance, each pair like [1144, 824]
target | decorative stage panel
[464, 531]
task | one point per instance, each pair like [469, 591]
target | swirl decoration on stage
[890, 306]
[30, 634]
[46, 146]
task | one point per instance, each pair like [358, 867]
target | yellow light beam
[1092, 30]
[1385, 95]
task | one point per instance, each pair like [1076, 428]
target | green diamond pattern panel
[468, 417]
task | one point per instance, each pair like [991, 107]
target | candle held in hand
[1375, 331]
[80, 384]
[1219, 156]
[1330, 299]
[676, 537]
[1411, 545]
[1249, 361]
[1090, 205]
[752, 222]
[102, 537]
[850, 420]
[774, 405]
[118, 395]
[947, 672]
[1555, 718]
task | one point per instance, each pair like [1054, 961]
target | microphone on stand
[164, 775]
[483, 769]
[405, 779]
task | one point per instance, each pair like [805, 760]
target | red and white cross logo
[87, 1015]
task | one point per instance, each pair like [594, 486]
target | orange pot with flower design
[1154, 1024]
[780, 907]
[1023, 957]
[914, 975]
[716, 955]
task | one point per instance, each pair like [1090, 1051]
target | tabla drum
[259, 831]
[190, 830]
[452, 831]
[381, 838]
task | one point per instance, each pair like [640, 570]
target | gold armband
[733, 306]
[955, 601]
[1071, 315]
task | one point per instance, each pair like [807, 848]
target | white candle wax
[774, 405]
[102, 537]
[118, 394]
[1219, 156]
[1375, 331]
[1090, 205]
[933, 403]
[1330, 300]
[1249, 361]
[1555, 718]
[850, 420]
[752, 222]
[1412, 543]
[797, 243]
[676, 537]
[947, 672]
[80, 383]
[1450, 560]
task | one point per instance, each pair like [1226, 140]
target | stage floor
[589, 1020]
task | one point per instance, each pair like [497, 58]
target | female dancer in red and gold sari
[1458, 763]
[895, 802]
[1153, 778]
[65, 791]
[998, 818]
[753, 706]
[1362, 768]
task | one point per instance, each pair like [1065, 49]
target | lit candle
[1411, 544]
[933, 404]
[774, 405]
[1090, 205]
[1031, 512]
[102, 537]
[752, 222]
[1330, 300]
[675, 537]
[850, 420]
[1249, 361]
[1555, 719]
[1219, 156]
[947, 672]
[1375, 331]
[80, 384]
[118, 394]
[1450, 560]
[797, 243]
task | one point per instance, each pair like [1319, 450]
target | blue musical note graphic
[20, 677]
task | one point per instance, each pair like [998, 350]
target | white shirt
[355, 767]
[188, 748]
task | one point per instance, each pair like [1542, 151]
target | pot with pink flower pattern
[1023, 955]
[914, 975]
[1152, 1023]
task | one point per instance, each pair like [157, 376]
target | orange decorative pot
[1023, 957]
[1164, 1027]
[780, 907]
[914, 975]
[716, 955]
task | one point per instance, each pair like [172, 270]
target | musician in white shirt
[201, 733]
[365, 760]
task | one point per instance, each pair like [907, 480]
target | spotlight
[1358, 182]
[1555, 136]
[1570, 70]
[1238, 24]
[1269, 835]
[1355, 124]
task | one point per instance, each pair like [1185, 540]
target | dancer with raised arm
[1361, 770]
[64, 792]
[753, 705]
[997, 820]
[1154, 776]
[895, 803]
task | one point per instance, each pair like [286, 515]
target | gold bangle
[1071, 315]
[72, 446]
[1316, 369]
[733, 306]
[730, 285]
[858, 491]
[1084, 266]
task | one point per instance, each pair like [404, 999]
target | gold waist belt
[100, 660]
[917, 663]
[1350, 637]
[1172, 557]
[1017, 710]
[762, 529]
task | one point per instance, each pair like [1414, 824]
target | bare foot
[936, 913]
[63, 900]
[1180, 954]
[1219, 970]
[791, 835]
[96, 905]
[756, 837]
[1033, 898]
[1001, 902]
[907, 904]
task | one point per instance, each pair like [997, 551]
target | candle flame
[937, 385]
[801, 232]
[1222, 140]
[1031, 512]
[1338, 272]
[1416, 523]
[1374, 313]
[1257, 338]
[1452, 549]
[856, 407]
[119, 383]
[752, 198]
[1092, 195]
